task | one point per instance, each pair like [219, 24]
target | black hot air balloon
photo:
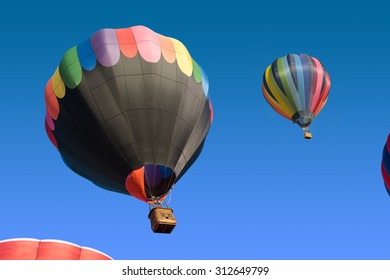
[128, 109]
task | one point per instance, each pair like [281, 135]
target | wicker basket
[307, 135]
[162, 220]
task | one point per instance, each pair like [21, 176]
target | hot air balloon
[50, 249]
[385, 166]
[129, 110]
[297, 87]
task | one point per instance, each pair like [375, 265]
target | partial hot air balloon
[129, 110]
[50, 249]
[297, 87]
[385, 166]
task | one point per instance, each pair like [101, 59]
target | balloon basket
[162, 220]
[307, 135]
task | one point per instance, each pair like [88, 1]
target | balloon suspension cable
[157, 202]
[154, 202]
[169, 198]
[148, 190]
[169, 189]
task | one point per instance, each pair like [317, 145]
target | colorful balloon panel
[296, 86]
[33, 249]
[126, 104]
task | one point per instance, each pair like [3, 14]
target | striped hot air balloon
[50, 249]
[297, 87]
[129, 110]
[385, 166]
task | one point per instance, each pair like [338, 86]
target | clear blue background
[258, 190]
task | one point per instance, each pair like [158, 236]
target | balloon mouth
[150, 183]
[303, 119]
[154, 175]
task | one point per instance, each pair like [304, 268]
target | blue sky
[258, 190]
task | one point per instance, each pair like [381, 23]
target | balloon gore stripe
[127, 43]
[86, 55]
[105, 46]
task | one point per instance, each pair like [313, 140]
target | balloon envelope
[385, 166]
[34, 249]
[129, 110]
[297, 87]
